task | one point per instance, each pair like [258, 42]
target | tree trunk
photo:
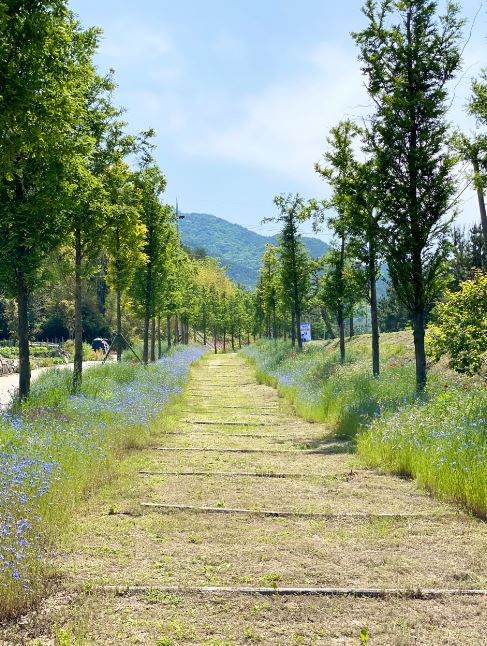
[240, 340]
[23, 332]
[327, 321]
[274, 322]
[233, 339]
[159, 339]
[340, 314]
[168, 324]
[341, 332]
[119, 324]
[351, 328]
[176, 330]
[153, 340]
[298, 329]
[293, 329]
[204, 326]
[481, 199]
[78, 317]
[419, 349]
[374, 318]
[224, 340]
[215, 341]
[145, 356]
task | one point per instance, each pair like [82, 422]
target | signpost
[306, 331]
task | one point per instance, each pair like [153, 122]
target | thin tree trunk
[481, 199]
[78, 317]
[297, 304]
[119, 324]
[293, 329]
[23, 332]
[341, 332]
[419, 349]
[327, 321]
[298, 329]
[374, 318]
[215, 341]
[145, 355]
[168, 323]
[224, 340]
[233, 339]
[351, 328]
[240, 339]
[176, 330]
[153, 340]
[204, 326]
[340, 314]
[159, 339]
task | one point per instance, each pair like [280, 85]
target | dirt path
[353, 529]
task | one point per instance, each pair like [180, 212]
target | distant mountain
[238, 249]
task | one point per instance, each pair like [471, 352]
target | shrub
[460, 330]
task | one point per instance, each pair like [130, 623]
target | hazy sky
[242, 93]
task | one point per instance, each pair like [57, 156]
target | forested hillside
[238, 248]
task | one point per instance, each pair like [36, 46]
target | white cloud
[125, 44]
[282, 129]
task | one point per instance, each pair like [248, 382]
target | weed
[271, 580]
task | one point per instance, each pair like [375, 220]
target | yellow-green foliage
[460, 330]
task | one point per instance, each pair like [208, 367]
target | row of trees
[394, 182]
[78, 192]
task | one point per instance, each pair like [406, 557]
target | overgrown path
[199, 511]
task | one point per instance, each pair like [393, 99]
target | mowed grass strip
[412, 546]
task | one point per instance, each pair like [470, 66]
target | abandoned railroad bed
[294, 541]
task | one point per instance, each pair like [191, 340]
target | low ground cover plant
[56, 447]
[439, 438]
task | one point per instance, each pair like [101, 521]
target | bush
[460, 330]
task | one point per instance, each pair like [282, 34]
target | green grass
[440, 439]
[56, 448]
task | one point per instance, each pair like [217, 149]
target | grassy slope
[440, 439]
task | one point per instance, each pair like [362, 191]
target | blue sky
[242, 93]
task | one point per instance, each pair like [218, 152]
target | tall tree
[89, 206]
[358, 218]
[294, 257]
[270, 274]
[409, 54]
[124, 235]
[45, 73]
[156, 218]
